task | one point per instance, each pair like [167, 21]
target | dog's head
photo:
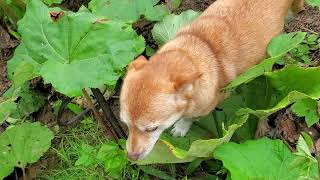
[154, 96]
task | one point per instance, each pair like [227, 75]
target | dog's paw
[181, 128]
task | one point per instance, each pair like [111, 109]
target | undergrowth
[60, 47]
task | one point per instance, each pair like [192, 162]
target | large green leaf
[295, 78]
[22, 59]
[76, 50]
[165, 30]
[259, 159]
[22, 144]
[284, 43]
[254, 72]
[277, 48]
[128, 10]
[292, 84]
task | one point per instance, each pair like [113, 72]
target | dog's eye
[151, 129]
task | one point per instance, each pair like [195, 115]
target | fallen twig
[98, 117]
[309, 30]
[105, 106]
[75, 118]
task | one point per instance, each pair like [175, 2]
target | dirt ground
[7, 43]
[308, 21]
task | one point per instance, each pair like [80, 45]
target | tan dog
[184, 79]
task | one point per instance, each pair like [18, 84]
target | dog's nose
[134, 155]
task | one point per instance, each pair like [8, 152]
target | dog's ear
[182, 80]
[138, 63]
[183, 87]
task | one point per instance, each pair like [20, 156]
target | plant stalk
[24, 174]
[105, 106]
[97, 115]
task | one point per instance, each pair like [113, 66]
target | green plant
[108, 155]
[302, 52]
[27, 101]
[307, 108]
[313, 2]
[6, 109]
[90, 48]
[261, 159]
[22, 144]
[127, 10]
[63, 50]
[166, 29]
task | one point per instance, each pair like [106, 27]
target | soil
[196, 5]
[308, 21]
[7, 43]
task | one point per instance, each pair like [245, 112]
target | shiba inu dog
[185, 78]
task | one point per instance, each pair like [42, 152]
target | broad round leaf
[167, 29]
[77, 50]
[259, 159]
[23, 144]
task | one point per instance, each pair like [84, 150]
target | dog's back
[229, 37]
[239, 31]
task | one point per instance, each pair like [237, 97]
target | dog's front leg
[181, 127]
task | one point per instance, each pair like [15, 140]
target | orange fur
[184, 79]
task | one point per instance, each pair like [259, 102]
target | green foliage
[174, 4]
[303, 159]
[110, 156]
[195, 144]
[23, 73]
[73, 51]
[23, 144]
[6, 109]
[307, 108]
[69, 147]
[28, 101]
[259, 159]
[50, 2]
[87, 155]
[303, 50]
[13, 9]
[282, 44]
[67, 51]
[155, 172]
[128, 10]
[167, 29]
[278, 47]
[113, 159]
[313, 2]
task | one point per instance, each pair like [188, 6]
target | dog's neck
[206, 87]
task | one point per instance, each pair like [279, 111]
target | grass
[67, 149]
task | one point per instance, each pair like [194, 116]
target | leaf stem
[24, 174]
[97, 115]
[111, 119]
